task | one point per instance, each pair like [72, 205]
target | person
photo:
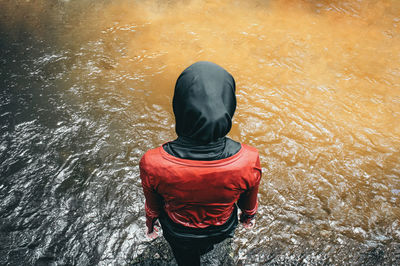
[194, 185]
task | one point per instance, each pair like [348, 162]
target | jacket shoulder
[251, 151]
[150, 157]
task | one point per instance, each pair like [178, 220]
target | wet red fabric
[200, 193]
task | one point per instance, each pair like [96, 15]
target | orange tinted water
[318, 88]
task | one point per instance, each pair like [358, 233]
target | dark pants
[188, 244]
[189, 254]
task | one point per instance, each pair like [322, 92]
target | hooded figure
[195, 184]
[204, 103]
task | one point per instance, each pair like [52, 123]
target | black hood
[204, 102]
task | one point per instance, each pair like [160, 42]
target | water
[86, 89]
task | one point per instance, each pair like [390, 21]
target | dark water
[86, 88]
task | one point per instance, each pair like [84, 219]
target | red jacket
[200, 193]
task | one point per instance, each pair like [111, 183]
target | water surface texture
[86, 89]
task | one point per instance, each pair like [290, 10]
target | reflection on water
[86, 90]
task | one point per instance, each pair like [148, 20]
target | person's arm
[248, 205]
[248, 202]
[153, 203]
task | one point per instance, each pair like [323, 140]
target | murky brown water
[88, 88]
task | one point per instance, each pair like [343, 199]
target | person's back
[202, 193]
[192, 184]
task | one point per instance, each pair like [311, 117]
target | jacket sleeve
[248, 202]
[153, 202]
